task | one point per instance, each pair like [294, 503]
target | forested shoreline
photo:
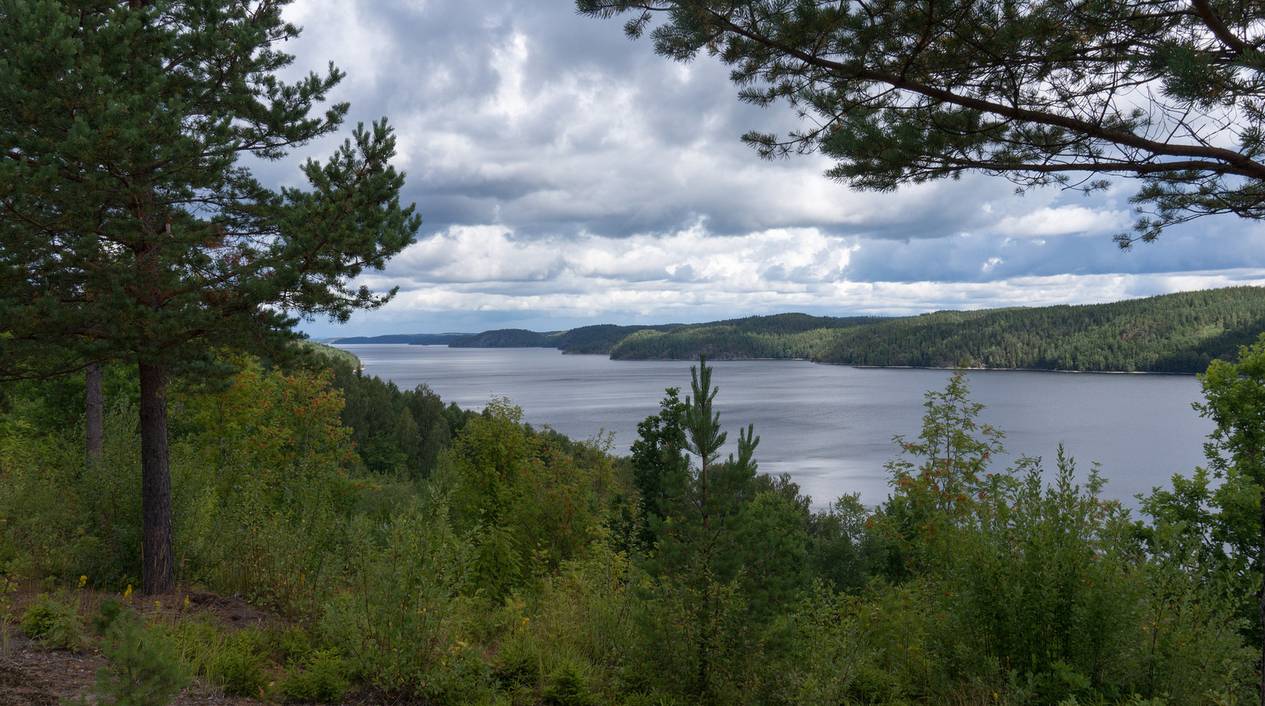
[1172, 333]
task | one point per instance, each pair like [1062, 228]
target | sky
[567, 175]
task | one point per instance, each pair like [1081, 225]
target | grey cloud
[575, 137]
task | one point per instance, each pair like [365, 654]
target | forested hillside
[1170, 333]
[508, 338]
[602, 337]
[777, 336]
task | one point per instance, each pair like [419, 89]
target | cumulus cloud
[567, 175]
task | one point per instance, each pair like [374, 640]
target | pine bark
[156, 566]
[94, 413]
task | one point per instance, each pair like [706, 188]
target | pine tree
[1043, 92]
[703, 434]
[133, 228]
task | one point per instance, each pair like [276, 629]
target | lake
[830, 427]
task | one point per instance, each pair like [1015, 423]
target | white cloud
[1063, 220]
[564, 171]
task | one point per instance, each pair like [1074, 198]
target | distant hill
[602, 338]
[1178, 333]
[508, 338]
[415, 339]
[777, 336]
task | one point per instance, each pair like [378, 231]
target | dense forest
[1172, 333]
[777, 336]
[407, 551]
[1179, 333]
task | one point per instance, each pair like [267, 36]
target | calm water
[829, 426]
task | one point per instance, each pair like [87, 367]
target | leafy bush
[61, 520]
[400, 625]
[54, 623]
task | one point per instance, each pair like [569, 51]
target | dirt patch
[232, 612]
[33, 676]
[18, 687]
[30, 674]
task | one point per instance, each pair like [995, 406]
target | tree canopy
[1045, 92]
[134, 227]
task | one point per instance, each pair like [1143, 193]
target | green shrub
[58, 521]
[402, 628]
[292, 644]
[517, 665]
[54, 623]
[237, 666]
[233, 661]
[567, 685]
[321, 679]
[143, 667]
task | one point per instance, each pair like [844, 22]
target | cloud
[566, 173]
[1064, 220]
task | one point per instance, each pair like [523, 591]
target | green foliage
[194, 88]
[321, 679]
[136, 230]
[59, 518]
[660, 467]
[142, 668]
[329, 355]
[55, 623]
[600, 338]
[234, 661]
[531, 569]
[1170, 333]
[397, 432]
[842, 551]
[939, 477]
[778, 336]
[523, 498]
[238, 666]
[567, 685]
[400, 624]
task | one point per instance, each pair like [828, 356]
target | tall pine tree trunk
[1261, 597]
[94, 412]
[156, 566]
